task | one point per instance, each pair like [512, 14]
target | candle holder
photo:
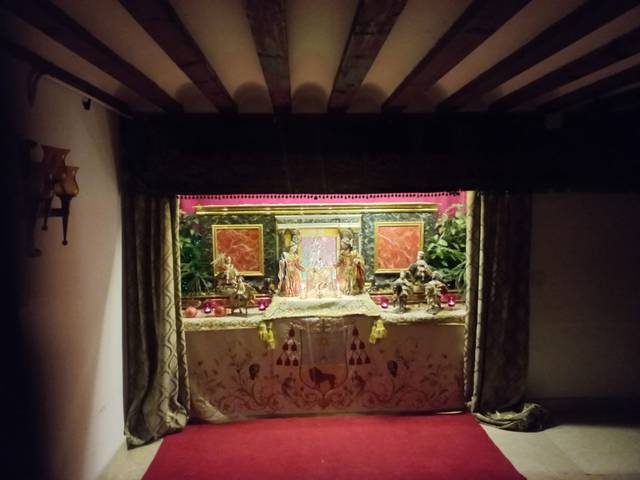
[384, 302]
[208, 306]
[451, 301]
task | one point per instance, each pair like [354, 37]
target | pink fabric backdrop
[445, 200]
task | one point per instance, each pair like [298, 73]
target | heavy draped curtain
[156, 384]
[497, 329]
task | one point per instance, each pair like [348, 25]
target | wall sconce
[46, 179]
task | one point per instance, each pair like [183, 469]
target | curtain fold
[156, 383]
[497, 328]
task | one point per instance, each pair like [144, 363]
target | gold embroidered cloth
[294, 307]
[416, 367]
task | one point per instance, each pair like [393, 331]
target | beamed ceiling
[314, 56]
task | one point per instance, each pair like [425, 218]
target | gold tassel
[381, 332]
[262, 331]
[378, 332]
[271, 340]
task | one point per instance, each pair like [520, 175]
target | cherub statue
[433, 290]
[420, 270]
[401, 289]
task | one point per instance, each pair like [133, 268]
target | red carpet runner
[333, 448]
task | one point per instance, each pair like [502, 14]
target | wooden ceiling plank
[45, 67]
[593, 90]
[582, 21]
[627, 100]
[618, 49]
[55, 23]
[268, 21]
[477, 23]
[371, 25]
[161, 22]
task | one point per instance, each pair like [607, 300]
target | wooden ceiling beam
[371, 25]
[268, 21]
[161, 22]
[593, 90]
[55, 23]
[614, 51]
[477, 23]
[626, 100]
[582, 21]
[45, 67]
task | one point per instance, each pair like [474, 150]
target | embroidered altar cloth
[295, 307]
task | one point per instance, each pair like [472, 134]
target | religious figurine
[350, 270]
[242, 296]
[433, 290]
[226, 273]
[420, 270]
[268, 286]
[401, 289]
[289, 279]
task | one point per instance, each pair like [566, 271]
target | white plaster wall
[585, 300]
[73, 307]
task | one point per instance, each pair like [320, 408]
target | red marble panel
[243, 245]
[397, 246]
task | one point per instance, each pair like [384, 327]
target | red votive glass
[208, 306]
[262, 305]
[384, 302]
[451, 301]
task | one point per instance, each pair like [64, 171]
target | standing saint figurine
[350, 270]
[289, 277]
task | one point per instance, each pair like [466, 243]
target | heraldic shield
[323, 351]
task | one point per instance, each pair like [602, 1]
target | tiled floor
[605, 448]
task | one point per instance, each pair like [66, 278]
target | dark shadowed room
[321, 239]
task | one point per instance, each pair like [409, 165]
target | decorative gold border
[241, 226]
[376, 226]
[316, 208]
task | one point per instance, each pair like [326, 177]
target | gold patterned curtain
[156, 384]
[497, 329]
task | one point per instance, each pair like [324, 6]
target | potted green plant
[195, 267]
[446, 248]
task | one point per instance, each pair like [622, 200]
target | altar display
[315, 341]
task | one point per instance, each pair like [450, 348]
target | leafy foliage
[195, 269]
[446, 248]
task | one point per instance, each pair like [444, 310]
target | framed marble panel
[396, 245]
[243, 243]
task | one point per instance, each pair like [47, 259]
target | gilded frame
[260, 247]
[376, 243]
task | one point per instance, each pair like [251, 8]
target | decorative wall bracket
[44, 180]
